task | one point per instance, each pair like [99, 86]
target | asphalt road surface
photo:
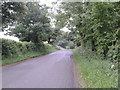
[54, 70]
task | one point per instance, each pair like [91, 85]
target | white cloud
[47, 2]
[65, 29]
[8, 37]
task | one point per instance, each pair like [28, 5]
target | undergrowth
[97, 72]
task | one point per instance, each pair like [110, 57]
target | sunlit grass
[96, 72]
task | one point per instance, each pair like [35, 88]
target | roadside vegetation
[92, 26]
[95, 31]
[13, 51]
[29, 22]
[96, 71]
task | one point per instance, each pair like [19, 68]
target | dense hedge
[11, 48]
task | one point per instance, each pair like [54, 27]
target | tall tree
[33, 26]
[96, 25]
[11, 12]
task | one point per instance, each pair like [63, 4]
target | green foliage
[34, 25]
[13, 51]
[113, 53]
[11, 11]
[12, 48]
[96, 26]
[97, 72]
[30, 54]
[64, 40]
[50, 48]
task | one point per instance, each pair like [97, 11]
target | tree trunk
[82, 40]
[93, 45]
[82, 43]
[49, 40]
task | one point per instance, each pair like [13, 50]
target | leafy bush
[113, 53]
[13, 51]
[12, 48]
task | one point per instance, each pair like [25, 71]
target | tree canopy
[33, 25]
[92, 25]
[96, 25]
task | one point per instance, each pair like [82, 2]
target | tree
[72, 15]
[33, 26]
[96, 25]
[11, 12]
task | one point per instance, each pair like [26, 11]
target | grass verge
[96, 72]
[26, 56]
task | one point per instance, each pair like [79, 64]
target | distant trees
[65, 40]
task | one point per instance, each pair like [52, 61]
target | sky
[8, 37]
[48, 3]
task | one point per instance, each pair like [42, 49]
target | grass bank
[28, 55]
[96, 72]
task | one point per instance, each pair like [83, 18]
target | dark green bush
[11, 48]
[114, 53]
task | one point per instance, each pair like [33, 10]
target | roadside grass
[20, 58]
[96, 72]
[28, 55]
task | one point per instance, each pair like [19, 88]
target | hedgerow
[11, 48]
